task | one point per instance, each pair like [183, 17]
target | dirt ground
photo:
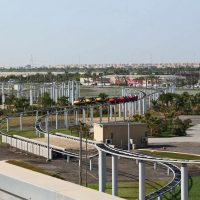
[128, 169]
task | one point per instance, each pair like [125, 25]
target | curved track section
[137, 156]
[71, 154]
[122, 153]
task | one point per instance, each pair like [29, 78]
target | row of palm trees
[163, 118]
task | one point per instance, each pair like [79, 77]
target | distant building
[117, 134]
[98, 81]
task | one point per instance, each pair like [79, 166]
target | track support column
[7, 123]
[56, 119]
[102, 171]
[100, 113]
[141, 180]
[114, 176]
[184, 182]
[83, 115]
[66, 118]
[21, 121]
[91, 114]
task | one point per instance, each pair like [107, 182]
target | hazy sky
[99, 31]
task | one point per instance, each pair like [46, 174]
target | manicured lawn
[65, 131]
[194, 193]
[129, 190]
[26, 121]
[25, 133]
[171, 155]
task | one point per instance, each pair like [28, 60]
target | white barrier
[31, 146]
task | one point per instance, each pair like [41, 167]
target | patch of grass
[24, 133]
[26, 120]
[129, 190]
[33, 168]
[67, 132]
[164, 136]
[170, 155]
[194, 185]
[64, 131]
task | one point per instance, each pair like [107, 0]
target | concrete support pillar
[66, 118]
[56, 92]
[111, 112]
[90, 164]
[114, 176]
[31, 96]
[132, 108]
[108, 111]
[68, 159]
[47, 122]
[76, 117]
[62, 89]
[91, 114]
[3, 96]
[168, 171]
[160, 198]
[7, 123]
[139, 105]
[141, 180]
[125, 110]
[128, 136]
[102, 171]
[149, 101]
[144, 106]
[184, 182]
[153, 97]
[155, 166]
[83, 113]
[100, 113]
[72, 91]
[21, 121]
[119, 110]
[56, 119]
[48, 141]
[115, 110]
[135, 107]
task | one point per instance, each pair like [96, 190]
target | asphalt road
[193, 136]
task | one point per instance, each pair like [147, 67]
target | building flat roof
[119, 123]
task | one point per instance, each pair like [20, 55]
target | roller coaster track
[168, 163]
[137, 156]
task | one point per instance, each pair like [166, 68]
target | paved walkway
[193, 136]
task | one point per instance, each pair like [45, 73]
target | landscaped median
[170, 154]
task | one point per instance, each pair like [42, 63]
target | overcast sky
[99, 31]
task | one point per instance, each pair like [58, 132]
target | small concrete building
[117, 134]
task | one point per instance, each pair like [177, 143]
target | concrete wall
[119, 133]
[28, 145]
[27, 190]
[32, 185]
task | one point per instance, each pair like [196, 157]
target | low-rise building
[117, 134]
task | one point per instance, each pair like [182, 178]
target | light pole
[128, 136]
[80, 155]
[47, 130]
